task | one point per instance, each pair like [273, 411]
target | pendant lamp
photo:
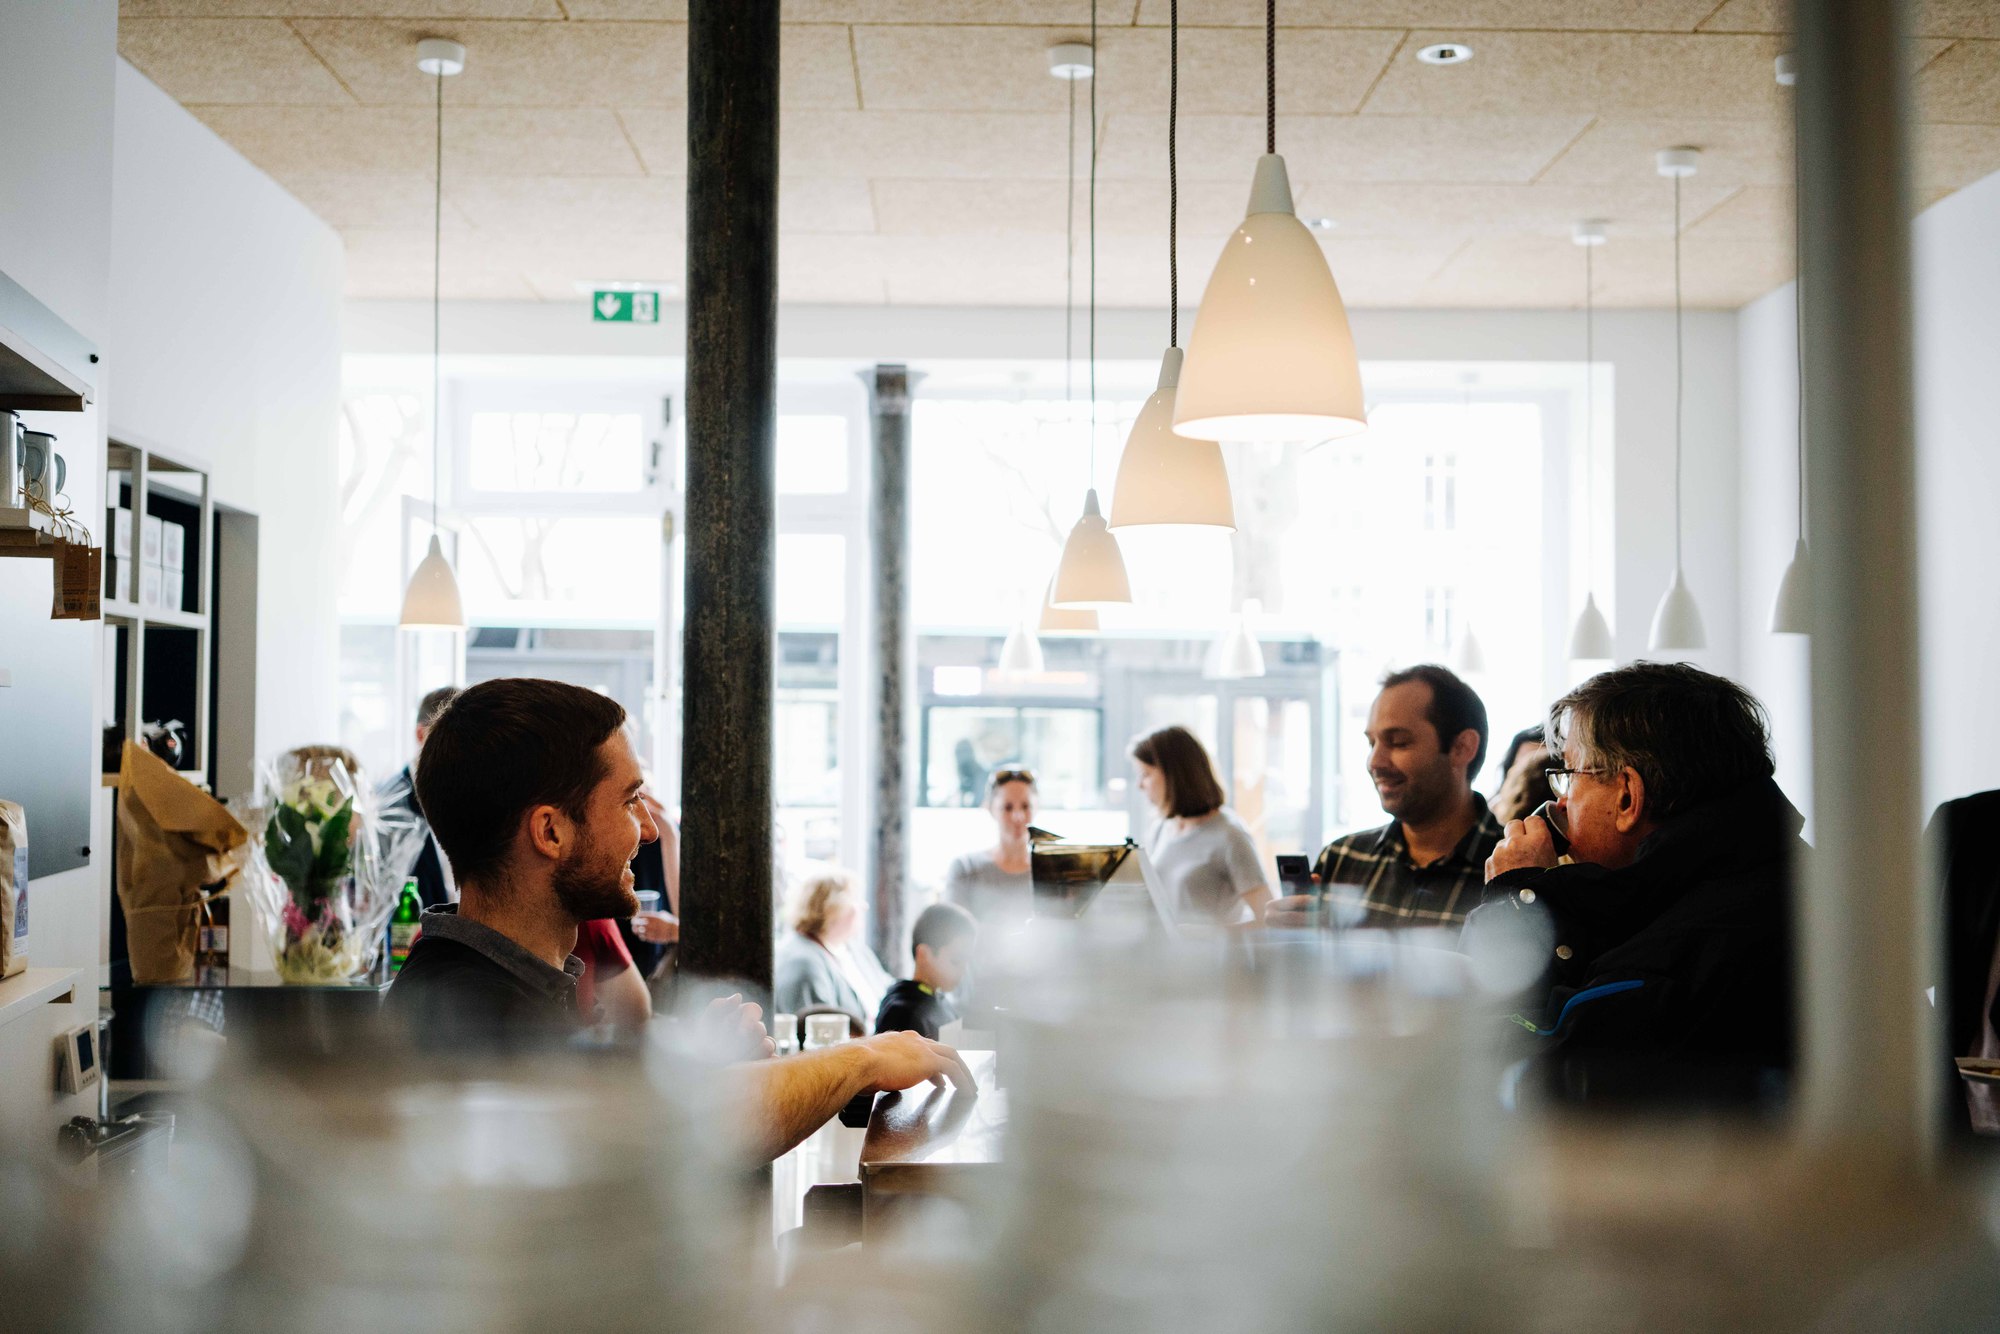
[1791, 610]
[1237, 655]
[1165, 478]
[1057, 620]
[1677, 623]
[431, 601]
[1271, 356]
[1590, 641]
[1091, 572]
[1021, 652]
[1470, 656]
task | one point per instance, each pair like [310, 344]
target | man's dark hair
[1691, 735]
[432, 704]
[942, 924]
[1455, 706]
[502, 748]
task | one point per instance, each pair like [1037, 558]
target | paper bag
[173, 839]
[13, 889]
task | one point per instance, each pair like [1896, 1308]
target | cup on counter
[785, 1032]
[825, 1030]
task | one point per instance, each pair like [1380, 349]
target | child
[942, 940]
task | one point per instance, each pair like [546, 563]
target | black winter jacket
[1669, 980]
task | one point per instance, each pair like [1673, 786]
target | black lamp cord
[1093, 244]
[1677, 373]
[1270, 76]
[1590, 402]
[1173, 174]
[437, 302]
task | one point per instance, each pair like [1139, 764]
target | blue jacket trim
[1587, 994]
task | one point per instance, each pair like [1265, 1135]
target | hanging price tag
[78, 572]
[59, 564]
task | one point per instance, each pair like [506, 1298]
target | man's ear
[1631, 799]
[549, 831]
[1463, 747]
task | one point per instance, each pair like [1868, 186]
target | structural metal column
[889, 569]
[728, 646]
[1869, 1042]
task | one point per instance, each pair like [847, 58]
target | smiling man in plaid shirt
[1426, 867]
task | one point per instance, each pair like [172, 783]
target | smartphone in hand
[1295, 874]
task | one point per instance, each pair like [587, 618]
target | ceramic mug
[43, 471]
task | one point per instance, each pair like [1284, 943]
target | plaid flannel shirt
[1374, 869]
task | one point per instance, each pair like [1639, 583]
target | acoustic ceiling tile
[1040, 13]
[1606, 74]
[243, 61]
[1224, 149]
[371, 199]
[1372, 209]
[1622, 152]
[1954, 156]
[392, 263]
[557, 206]
[1934, 18]
[293, 9]
[1761, 213]
[1596, 15]
[510, 64]
[923, 145]
[1006, 69]
[974, 207]
[1538, 271]
[1962, 86]
[477, 141]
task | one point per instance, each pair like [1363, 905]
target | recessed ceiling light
[1322, 224]
[1445, 53]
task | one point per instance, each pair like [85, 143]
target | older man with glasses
[1665, 942]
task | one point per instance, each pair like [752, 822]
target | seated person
[1524, 778]
[532, 789]
[399, 794]
[1426, 737]
[942, 941]
[1667, 944]
[822, 962]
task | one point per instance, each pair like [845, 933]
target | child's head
[943, 940]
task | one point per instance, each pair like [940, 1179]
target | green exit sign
[625, 307]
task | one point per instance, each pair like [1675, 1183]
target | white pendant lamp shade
[1271, 356]
[1237, 655]
[1791, 614]
[1058, 620]
[431, 602]
[1590, 641]
[1164, 478]
[1470, 657]
[1021, 652]
[1092, 570]
[1677, 621]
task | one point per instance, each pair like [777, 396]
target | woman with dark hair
[1204, 856]
[993, 884]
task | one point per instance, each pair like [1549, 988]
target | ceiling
[922, 141]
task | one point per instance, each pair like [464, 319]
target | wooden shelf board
[179, 620]
[23, 992]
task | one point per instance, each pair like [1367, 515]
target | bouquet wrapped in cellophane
[327, 867]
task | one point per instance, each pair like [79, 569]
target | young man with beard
[1426, 867]
[533, 791]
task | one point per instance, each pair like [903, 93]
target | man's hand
[903, 1060]
[1299, 910]
[1522, 843]
[732, 1029]
[656, 928]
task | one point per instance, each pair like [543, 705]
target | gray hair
[1692, 736]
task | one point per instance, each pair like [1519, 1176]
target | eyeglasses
[1560, 779]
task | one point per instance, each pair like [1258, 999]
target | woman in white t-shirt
[1204, 856]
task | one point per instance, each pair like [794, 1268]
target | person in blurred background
[399, 793]
[610, 986]
[1668, 942]
[1205, 857]
[1427, 867]
[821, 961]
[652, 936]
[993, 884]
[532, 789]
[942, 943]
[1524, 784]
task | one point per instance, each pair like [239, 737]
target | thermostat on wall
[78, 1059]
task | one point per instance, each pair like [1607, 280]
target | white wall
[1957, 308]
[226, 334]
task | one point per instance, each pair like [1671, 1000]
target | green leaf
[288, 848]
[335, 856]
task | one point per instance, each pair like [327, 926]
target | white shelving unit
[150, 470]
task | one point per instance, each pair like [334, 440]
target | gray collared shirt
[555, 983]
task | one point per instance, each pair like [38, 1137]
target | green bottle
[404, 926]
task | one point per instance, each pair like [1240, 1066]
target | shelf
[22, 993]
[117, 611]
[25, 532]
[44, 364]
